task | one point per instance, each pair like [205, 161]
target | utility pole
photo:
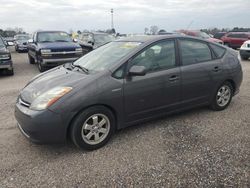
[112, 21]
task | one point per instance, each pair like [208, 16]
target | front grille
[64, 55]
[63, 50]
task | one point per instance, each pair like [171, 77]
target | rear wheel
[223, 97]
[93, 128]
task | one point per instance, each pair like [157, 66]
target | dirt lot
[199, 148]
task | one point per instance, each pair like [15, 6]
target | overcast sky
[130, 16]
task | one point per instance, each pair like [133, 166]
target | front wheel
[223, 97]
[31, 59]
[93, 128]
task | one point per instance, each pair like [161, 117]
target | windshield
[204, 35]
[53, 37]
[104, 57]
[22, 37]
[103, 39]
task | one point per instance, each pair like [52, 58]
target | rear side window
[193, 52]
[219, 51]
[237, 35]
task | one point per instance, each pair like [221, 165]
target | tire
[10, 72]
[96, 120]
[41, 67]
[222, 100]
[31, 59]
[227, 44]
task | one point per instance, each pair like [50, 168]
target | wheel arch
[80, 111]
[232, 83]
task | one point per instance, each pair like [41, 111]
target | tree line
[11, 32]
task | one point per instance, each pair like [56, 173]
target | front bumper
[6, 64]
[22, 47]
[51, 62]
[245, 53]
[40, 126]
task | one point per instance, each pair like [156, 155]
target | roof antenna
[188, 26]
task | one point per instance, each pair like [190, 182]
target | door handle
[173, 78]
[216, 69]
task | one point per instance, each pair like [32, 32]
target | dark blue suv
[52, 48]
[5, 58]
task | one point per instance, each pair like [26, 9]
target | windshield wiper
[81, 67]
[45, 41]
[61, 41]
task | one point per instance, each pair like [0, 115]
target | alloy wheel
[95, 129]
[223, 95]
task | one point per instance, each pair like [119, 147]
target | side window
[219, 51]
[118, 74]
[157, 57]
[193, 52]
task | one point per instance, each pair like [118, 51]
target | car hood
[58, 45]
[58, 76]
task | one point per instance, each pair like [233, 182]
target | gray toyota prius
[125, 82]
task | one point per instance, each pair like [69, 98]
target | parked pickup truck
[52, 48]
[92, 40]
[5, 58]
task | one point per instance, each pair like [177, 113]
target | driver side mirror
[137, 71]
[30, 41]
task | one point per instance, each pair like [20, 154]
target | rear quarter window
[219, 51]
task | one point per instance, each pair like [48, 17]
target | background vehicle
[9, 41]
[219, 35]
[5, 58]
[90, 41]
[245, 50]
[200, 34]
[52, 48]
[125, 82]
[235, 39]
[20, 42]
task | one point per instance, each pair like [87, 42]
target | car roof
[95, 33]
[248, 33]
[151, 38]
[51, 31]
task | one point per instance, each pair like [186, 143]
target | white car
[245, 50]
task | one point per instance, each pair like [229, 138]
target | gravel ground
[199, 148]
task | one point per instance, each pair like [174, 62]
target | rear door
[200, 71]
[158, 90]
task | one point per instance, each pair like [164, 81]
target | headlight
[5, 56]
[44, 51]
[78, 49]
[48, 98]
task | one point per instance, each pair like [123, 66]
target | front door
[153, 93]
